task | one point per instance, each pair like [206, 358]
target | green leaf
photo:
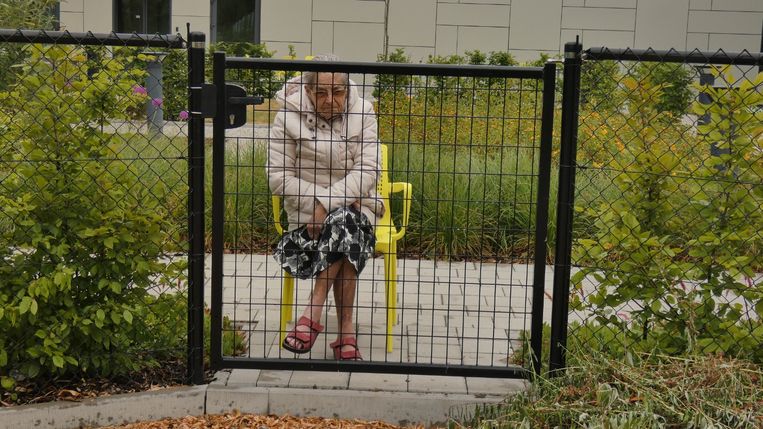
[100, 315]
[58, 361]
[26, 302]
[33, 307]
[128, 316]
[7, 383]
[3, 358]
[116, 287]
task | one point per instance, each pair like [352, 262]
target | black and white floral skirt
[345, 233]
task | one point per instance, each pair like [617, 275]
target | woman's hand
[319, 216]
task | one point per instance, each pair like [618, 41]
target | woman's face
[329, 95]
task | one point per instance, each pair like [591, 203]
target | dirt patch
[166, 374]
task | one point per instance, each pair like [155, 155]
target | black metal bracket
[236, 102]
[208, 97]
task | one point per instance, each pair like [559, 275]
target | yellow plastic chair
[387, 235]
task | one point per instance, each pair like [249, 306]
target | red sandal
[347, 354]
[306, 339]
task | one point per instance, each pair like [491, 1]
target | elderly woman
[323, 158]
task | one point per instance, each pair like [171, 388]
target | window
[236, 21]
[142, 16]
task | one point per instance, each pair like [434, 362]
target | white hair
[311, 77]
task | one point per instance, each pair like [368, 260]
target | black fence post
[564, 210]
[541, 216]
[196, 50]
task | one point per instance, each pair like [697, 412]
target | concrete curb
[400, 408]
[393, 407]
[112, 410]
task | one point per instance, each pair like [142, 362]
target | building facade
[357, 29]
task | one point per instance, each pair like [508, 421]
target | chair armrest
[277, 213]
[407, 190]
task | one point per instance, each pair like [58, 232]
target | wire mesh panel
[380, 212]
[668, 240]
[93, 185]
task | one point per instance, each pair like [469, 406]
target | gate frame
[546, 75]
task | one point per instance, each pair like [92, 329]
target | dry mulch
[166, 374]
[251, 421]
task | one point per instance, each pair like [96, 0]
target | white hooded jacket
[335, 163]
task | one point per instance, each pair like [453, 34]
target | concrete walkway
[459, 313]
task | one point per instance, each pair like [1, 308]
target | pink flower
[137, 89]
[157, 102]
[625, 316]
[183, 115]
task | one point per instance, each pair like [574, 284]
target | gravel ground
[251, 421]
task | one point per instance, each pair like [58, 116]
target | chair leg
[390, 277]
[288, 283]
[287, 303]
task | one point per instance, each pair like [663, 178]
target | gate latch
[236, 105]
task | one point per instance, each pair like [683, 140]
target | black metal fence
[661, 228]
[461, 157]
[94, 185]
[658, 242]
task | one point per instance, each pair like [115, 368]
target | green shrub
[175, 83]
[386, 83]
[599, 81]
[86, 241]
[445, 86]
[675, 80]
[475, 57]
[21, 14]
[501, 58]
[541, 61]
[680, 249]
[263, 83]
[234, 340]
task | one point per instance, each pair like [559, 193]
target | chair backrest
[383, 187]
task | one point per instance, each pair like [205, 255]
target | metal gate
[461, 291]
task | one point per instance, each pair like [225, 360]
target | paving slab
[378, 382]
[436, 384]
[269, 378]
[245, 377]
[320, 380]
[221, 378]
[495, 386]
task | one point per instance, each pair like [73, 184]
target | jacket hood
[293, 97]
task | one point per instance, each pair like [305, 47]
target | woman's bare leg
[344, 295]
[314, 308]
